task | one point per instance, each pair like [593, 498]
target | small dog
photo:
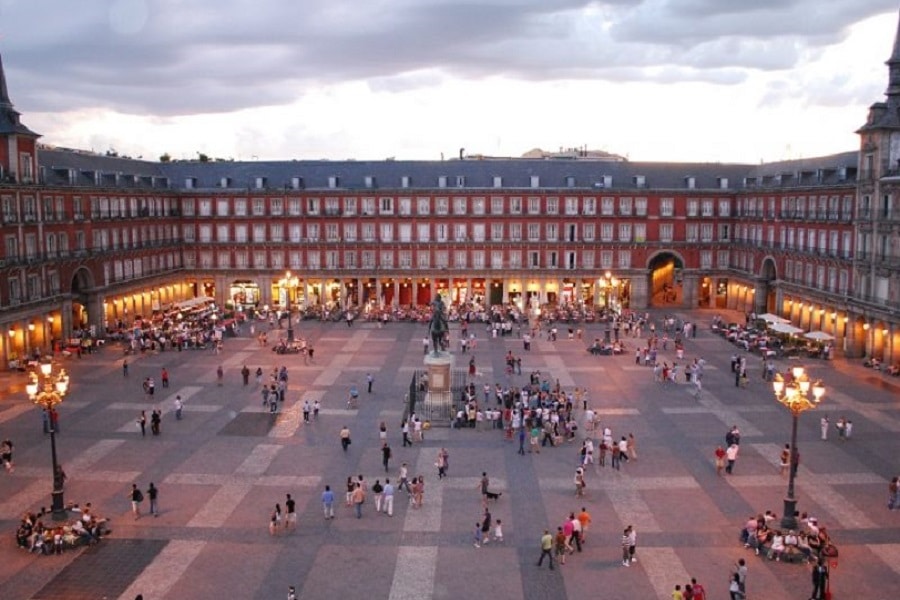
[493, 495]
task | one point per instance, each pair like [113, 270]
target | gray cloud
[175, 57]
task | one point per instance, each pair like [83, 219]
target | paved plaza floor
[221, 469]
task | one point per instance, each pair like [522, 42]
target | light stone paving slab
[557, 366]
[16, 411]
[168, 567]
[617, 412]
[881, 415]
[631, 508]
[79, 466]
[356, 341]
[428, 517]
[888, 553]
[289, 420]
[223, 502]
[329, 375]
[217, 509]
[414, 573]
[662, 565]
[263, 480]
[841, 510]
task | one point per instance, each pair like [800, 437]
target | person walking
[328, 502]
[734, 587]
[388, 498]
[155, 421]
[626, 558]
[731, 456]
[441, 463]
[632, 544]
[142, 423]
[784, 460]
[819, 580]
[153, 495]
[823, 426]
[476, 535]
[486, 522]
[291, 506]
[220, 374]
[358, 497]
[404, 428]
[275, 520]
[345, 438]
[584, 517]
[740, 569]
[136, 497]
[378, 493]
[164, 376]
[6, 450]
[369, 381]
[245, 375]
[521, 436]
[179, 406]
[306, 409]
[546, 549]
[385, 455]
[125, 367]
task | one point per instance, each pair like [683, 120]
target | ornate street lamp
[795, 395]
[47, 390]
[289, 282]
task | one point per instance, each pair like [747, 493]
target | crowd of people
[85, 528]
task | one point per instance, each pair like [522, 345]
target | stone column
[689, 283]
[640, 298]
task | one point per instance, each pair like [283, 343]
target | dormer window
[498, 181]
[535, 181]
[334, 181]
[190, 183]
[570, 181]
[225, 182]
[723, 183]
[296, 183]
[690, 182]
[369, 181]
[639, 181]
[442, 181]
[405, 181]
[261, 183]
[460, 181]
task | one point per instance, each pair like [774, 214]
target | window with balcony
[624, 232]
[442, 206]
[496, 205]
[515, 205]
[497, 259]
[625, 206]
[666, 207]
[607, 206]
[666, 232]
[590, 206]
[423, 206]
[515, 232]
[534, 205]
[640, 207]
[534, 232]
[606, 232]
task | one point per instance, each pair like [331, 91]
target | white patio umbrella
[818, 336]
[770, 318]
[785, 328]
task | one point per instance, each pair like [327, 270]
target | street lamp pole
[48, 390]
[795, 396]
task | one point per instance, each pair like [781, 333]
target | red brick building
[90, 240]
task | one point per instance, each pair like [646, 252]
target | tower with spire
[878, 218]
[18, 144]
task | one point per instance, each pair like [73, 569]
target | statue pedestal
[438, 399]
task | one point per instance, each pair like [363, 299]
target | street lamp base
[58, 506]
[290, 334]
[789, 518]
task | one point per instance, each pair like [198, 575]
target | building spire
[893, 64]
[9, 117]
[4, 91]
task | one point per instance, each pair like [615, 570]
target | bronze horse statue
[438, 327]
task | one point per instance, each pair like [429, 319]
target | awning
[785, 328]
[819, 336]
[770, 318]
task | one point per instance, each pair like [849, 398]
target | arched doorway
[82, 283]
[665, 281]
[768, 273]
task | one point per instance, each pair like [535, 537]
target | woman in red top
[720, 459]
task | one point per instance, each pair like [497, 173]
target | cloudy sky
[670, 80]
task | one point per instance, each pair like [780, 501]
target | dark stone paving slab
[249, 425]
[103, 571]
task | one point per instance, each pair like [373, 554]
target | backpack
[139, 496]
